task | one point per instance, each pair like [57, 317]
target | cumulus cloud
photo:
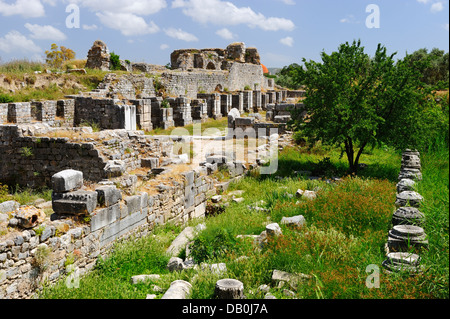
[180, 35]
[125, 16]
[25, 8]
[45, 32]
[164, 46]
[127, 23]
[288, 41]
[350, 18]
[289, 2]
[89, 27]
[226, 13]
[138, 7]
[15, 42]
[225, 33]
[437, 7]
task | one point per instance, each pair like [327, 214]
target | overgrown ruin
[109, 178]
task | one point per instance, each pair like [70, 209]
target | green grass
[347, 228]
[25, 196]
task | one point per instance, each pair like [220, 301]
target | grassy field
[52, 86]
[346, 230]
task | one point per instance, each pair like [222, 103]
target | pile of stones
[407, 237]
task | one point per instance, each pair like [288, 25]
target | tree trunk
[352, 160]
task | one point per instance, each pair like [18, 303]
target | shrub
[205, 248]
[5, 98]
[165, 104]
[115, 61]
[325, 168]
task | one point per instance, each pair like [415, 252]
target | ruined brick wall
[31, 161]
[3, 112]
[178, 83]
[72, 249]
[106, 113]
[240, 76]
[54, 113]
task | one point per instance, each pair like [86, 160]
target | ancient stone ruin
[407, 238]
[109, 179]
[98, 56]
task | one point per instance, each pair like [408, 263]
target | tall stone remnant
[98, 56]
[236, 52]
[214, 59]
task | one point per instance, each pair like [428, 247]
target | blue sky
[284, 31]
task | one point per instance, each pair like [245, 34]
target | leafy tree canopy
[58, 55]
[436, 69]
[355, 101]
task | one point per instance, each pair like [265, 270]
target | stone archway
[210, 66]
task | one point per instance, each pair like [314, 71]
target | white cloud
[288, 2]
[50, 2]
[15, 42]
[127, 23]
[180, 35]
[25, 8]
[350, 18]
[225, 33]
[45, 32]
[289, 41]
[226, 13]
[445, 26]
[164, 46]
[138, 7]
[423, 1]
[124, 15]
[89, 27]
[436, 7]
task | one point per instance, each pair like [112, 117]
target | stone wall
[128, 86]
[54, 113]
[61, 248]
[107, 113]
[281, 112]
[32, 160]
[3, 112]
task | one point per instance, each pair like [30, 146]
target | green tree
[355, 101]
[115, 61]
[290, 77]
[57, 56]
[436, 65]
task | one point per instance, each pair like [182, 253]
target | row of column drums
[407, 237]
